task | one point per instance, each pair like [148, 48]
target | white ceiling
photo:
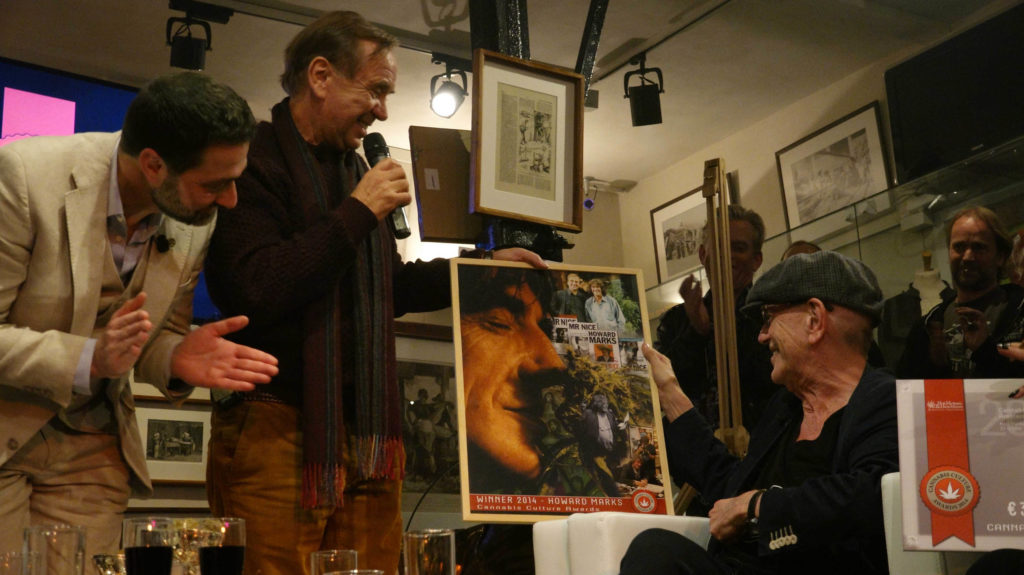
[740, 63]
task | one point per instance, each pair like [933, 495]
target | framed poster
[960, 452]
[557, 412]
[176, 442]
[834, 167]
[527, 156]
[676, 226]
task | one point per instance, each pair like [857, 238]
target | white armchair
[594, 543]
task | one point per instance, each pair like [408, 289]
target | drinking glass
[222, 546]
[112, 564]
[148, 545]
[430, 552]
[57, 549]
[17, 563]
[332, 560]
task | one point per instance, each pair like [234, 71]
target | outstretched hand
[205, 359]
[121, 341]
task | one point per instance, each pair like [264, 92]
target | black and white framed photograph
[527, 147]
[676, 226]
[175, 439]
[835, 166]
[426, 380]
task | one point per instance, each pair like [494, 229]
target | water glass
[17, 563]
[148, 545]
[430, 552]
[222, 549]
[112, 564]
[56, 549]
[332, 561]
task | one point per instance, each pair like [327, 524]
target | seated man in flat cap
[806, 498]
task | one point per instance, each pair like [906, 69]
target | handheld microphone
[376, 150]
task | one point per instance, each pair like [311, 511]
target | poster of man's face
[548, 403]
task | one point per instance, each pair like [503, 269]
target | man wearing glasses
[807, 492]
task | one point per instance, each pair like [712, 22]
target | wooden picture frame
[149, 392]
[527, 149]
[676, 227]
[838, 165]
[529, 372]
[178, 454]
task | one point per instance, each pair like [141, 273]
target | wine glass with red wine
[148, 545]
[222, 550]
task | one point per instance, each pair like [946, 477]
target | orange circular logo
[644, 501]
[950, 491]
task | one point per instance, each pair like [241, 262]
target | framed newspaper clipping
[527, 140]
[960, 453]
[557, 411]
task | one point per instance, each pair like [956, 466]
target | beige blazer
[53, 212]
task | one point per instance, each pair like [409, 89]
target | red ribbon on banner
[948, 489]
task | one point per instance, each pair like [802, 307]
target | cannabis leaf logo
[950, 493]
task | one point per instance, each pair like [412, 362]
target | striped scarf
[370, 445]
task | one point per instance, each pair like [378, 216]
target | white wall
[752, 152]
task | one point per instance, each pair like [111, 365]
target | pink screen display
[28, 114]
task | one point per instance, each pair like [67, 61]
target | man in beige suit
[95, 281]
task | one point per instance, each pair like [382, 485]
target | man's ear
[817, 320]
[318, 76]
[152, 166]
[759, 258]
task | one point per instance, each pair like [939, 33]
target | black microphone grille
[374, 146]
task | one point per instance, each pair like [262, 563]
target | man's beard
[976, 280]
[168, 199]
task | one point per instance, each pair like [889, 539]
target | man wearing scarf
[314, 459]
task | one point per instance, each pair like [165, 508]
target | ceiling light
[446, 98]
[644, 98]
[188, 52]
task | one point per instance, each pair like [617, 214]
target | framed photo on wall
[834, 167]
[676, 226]
[426, 380]
[527, 148]
[176, 442]
[555, 400]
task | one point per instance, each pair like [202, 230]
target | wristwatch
[752, 508]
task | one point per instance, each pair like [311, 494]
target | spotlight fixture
[446, 98]
[188, 52]
[644, 99]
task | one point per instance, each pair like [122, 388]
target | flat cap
[828, 276]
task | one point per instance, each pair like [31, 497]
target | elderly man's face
[781, 322]
[974, 259]
[507, 361]
[351, 105]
